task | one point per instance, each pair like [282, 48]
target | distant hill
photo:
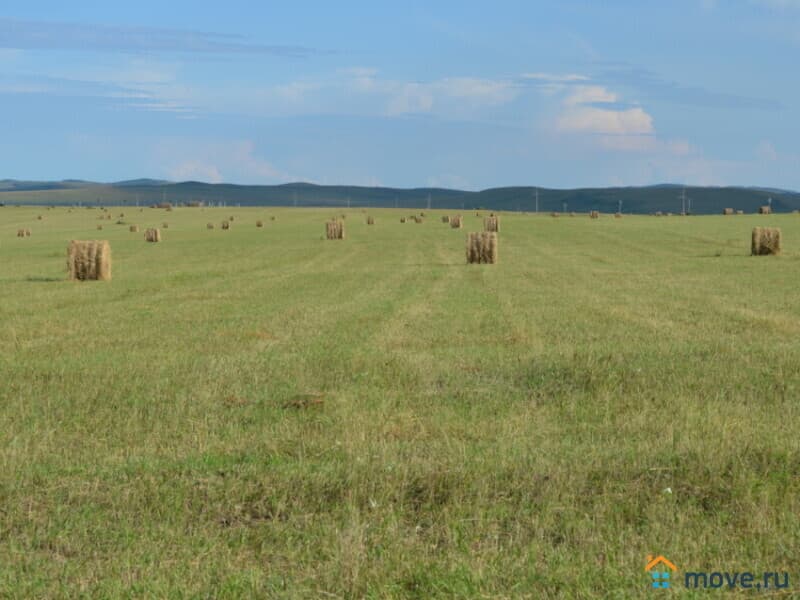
[649, 199]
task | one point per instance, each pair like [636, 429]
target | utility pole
[348, 202]
[683, 201]
[537, 200]
[564, 207]
[619, 209]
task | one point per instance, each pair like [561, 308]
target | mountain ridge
[664, 197]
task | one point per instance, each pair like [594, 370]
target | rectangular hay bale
[482, 247]
[89, 260]
[765, 241]
[334, 230]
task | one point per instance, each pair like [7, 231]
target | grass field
[263, 413]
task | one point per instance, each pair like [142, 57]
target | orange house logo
[660, 569]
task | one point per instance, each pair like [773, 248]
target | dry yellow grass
[89, 260]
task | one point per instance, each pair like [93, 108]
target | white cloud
[194, 170]
[586, 119]
[766, 151]
[216, 161]
[555, 78]
[410, 98]
[587, 94]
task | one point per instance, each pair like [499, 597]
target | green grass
[262, 413]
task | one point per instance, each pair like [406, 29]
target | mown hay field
[262, 413]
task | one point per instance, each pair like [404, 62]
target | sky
[457, 94]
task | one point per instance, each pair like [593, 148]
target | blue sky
[419, 93]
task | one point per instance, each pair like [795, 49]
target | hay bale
[571, 214]
[658, 213]
[618, 215]
[133, 228]
[482, 247]
[165, 226]
[230, 218]
[99, 227]
[121, 215]
[152, 235]
[402, 219]
[765, 241]
[209, 226]
[445, 219]
[553, 214]
[272, 218]
[89, 260]
[765, 210]
[418, 220]
[739, 212]
[225, 225]
[370, 220]
[727, 211]
[595, 214]
[491, 223]
[40, 217]
[259, 223]
[456, 222]
[334, 230]
[21, 233]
